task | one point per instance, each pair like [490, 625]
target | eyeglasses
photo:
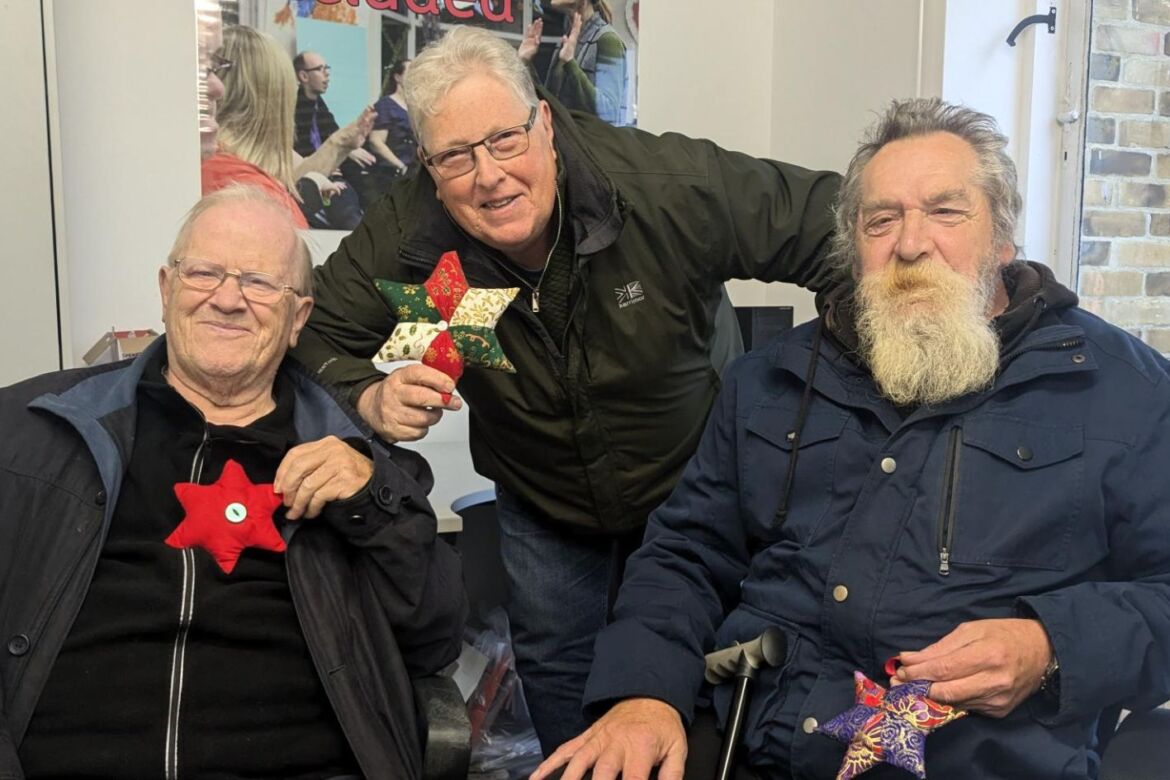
[503, 145]
[323, 68]
[206, 276]
[219, 65]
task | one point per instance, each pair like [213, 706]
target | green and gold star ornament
[445, 323]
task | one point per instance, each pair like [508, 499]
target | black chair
[479, 544]
[1140, 748]
[442, 717]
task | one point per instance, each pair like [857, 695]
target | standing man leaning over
[125, 656]
[620, 242]
[954, 467]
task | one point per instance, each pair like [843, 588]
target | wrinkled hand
[313, 474]
[530, 43]
[569, 42]
[407, 402]
[631, 739]
[986, 666]
[362, 158]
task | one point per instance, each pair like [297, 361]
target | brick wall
[1125, 230]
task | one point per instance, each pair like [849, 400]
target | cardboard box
[118, 345]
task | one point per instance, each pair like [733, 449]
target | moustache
[915, 279]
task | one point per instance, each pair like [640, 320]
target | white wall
[706, 73]
[28, 305]
[794, 80]
[129, 165]
[838, 63]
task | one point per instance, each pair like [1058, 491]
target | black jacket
[593, 434]
[303, 123]
[379, 599]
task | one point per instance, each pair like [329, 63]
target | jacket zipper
[1078, 341]
[946, 521]
[535, 289]
[178, 663]
[179, 651]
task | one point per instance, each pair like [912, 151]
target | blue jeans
[558, 599]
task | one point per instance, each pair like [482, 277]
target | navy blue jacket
[379, 599]
[1045, 496]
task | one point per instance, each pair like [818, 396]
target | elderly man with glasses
[209, 568]
[620, 242]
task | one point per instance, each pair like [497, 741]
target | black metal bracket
[1049, 19]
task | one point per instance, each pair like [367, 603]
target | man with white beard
[955, 474]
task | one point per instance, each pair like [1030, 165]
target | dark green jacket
[594, 436]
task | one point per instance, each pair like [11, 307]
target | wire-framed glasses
[206, 276]
[502, 145]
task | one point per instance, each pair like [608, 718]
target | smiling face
[929, 271]
[506, 204]
[220, 342]
[921, 203]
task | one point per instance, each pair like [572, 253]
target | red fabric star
[447, 286]
[227, 516]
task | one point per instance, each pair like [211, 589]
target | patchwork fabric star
[445, 323]
[889, 726]
[227, 516]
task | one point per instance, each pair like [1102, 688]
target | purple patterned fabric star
[889, 726]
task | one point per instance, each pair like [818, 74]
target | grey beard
[933, 351]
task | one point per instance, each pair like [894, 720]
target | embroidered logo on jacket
[629, 294]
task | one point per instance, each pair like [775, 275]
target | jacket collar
[1055, 348]
[102, 409]
[1034, 295]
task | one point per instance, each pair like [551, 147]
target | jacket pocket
[1016, 493]
[766, 454]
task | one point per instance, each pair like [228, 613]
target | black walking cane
[742, 661]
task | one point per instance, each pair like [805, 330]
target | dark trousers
[559, 588]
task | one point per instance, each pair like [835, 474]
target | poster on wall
[303, 98]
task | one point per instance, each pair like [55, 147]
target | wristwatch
[1050, 680]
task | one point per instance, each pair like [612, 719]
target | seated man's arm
[1110, 637]
[379, 506]
[631, 739]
